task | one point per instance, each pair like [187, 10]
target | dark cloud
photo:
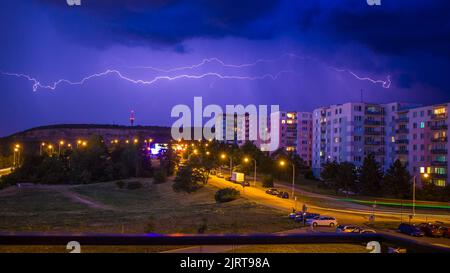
[160, 22]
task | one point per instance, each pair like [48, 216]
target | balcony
[438, 151]
[439, 116]
[402, 131]
[439, 175]
[372, 143]
[402, 120]
[374, 112]
[401, 152]
[438, 163]
[373, 133]
[439, 139]
[439, 127]
[402, 141]
[373, 122]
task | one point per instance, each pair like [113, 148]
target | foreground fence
[89, 239]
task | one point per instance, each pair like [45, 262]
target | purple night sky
[302, 42]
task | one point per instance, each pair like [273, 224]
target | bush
[226, 195]
[267, 181]
[120, 184]
[309, 175]
[160, 177]
[133, 185]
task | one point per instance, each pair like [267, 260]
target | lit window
[422, 125]
[422, 169]
[393, 139]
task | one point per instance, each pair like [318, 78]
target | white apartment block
[415, 135]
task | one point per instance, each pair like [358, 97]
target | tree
[397, 181]
[329, 171]
[345, 177]
[189, 179]
[370, 176]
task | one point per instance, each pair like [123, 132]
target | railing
[402, 131]
[439, 151]
[373, 143]
[439, 139]
[402, 141]
[373, 133]
[246, 239]
[439, 127]
[375, 112]
[438, 163]
[439, 175]
[439, 116]
[402, 119]
[373, 122]
[401, 152]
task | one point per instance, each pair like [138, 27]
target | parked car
[411, 230]
[431, 230]
[445, 232]
[293, 215]
[306, 216]
[245, 184]
[347, 228]
[363, 230]
[272, 191]
[220, 175]
[322, 221]
[283, 194]
[213, 172]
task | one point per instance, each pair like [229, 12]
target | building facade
[417, 136]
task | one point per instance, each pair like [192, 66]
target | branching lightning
[37, 84]
[53, 86]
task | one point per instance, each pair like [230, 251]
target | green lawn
[153, 208]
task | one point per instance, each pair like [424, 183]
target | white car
[347, 228]
[322, 221]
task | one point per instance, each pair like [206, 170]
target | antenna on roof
[132, 118]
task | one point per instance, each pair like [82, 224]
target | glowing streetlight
[425, 175]
[282, 164]
[223, 156]
[41, 147]
[246, 160]
[59, 147]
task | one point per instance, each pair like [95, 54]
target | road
[352, 214]
[5, 171]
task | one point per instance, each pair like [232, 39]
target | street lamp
[41, 147]
[50, 148]
[254, 175]
[282, 164]
[223, 156]
[59, 147]
[425, 175]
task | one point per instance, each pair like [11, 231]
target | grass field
[153, 208]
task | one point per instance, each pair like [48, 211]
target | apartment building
[304, 136]
[417, 136]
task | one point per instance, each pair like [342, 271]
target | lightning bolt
[37, 84]
[384, 83]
